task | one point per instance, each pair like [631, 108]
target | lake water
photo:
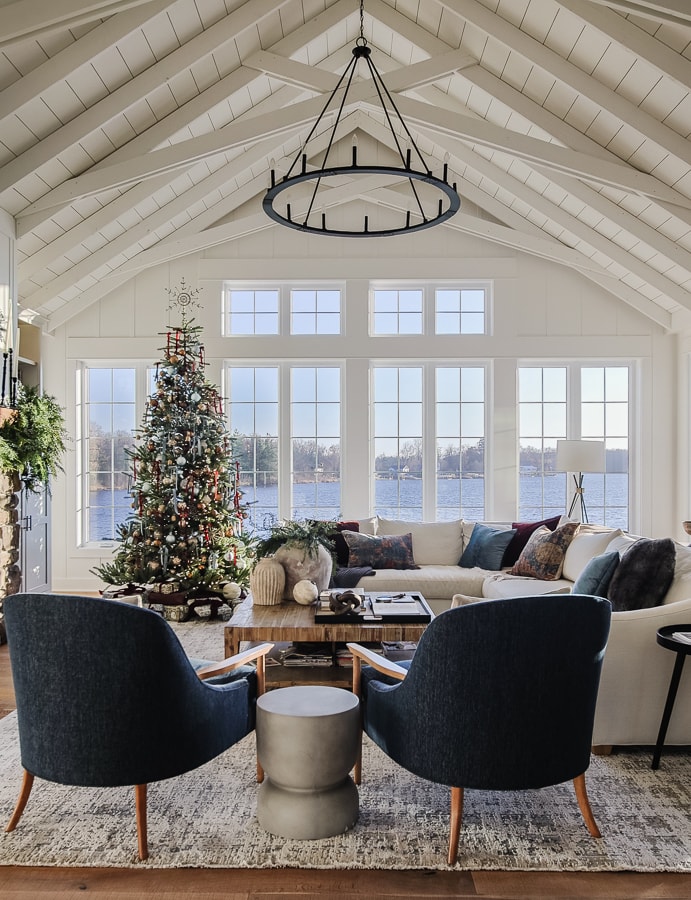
[456, 498]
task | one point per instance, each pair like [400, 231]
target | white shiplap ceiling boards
[136, 131]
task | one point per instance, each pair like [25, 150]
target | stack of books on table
[306, 654]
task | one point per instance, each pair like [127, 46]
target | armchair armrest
[240, 659]
[377, 661]
[381, 664]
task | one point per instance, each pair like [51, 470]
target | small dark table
[665, 639]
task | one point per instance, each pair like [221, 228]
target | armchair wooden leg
[25, 790]
[140, 811]
[357, 690]
[456, 820]
[584, 805]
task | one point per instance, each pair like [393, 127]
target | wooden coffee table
[291, 622]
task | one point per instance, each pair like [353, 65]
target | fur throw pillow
[643, 576]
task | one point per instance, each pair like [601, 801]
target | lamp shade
[580, 456]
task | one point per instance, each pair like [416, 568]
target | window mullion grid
[429, 443]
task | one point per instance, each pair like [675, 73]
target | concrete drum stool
[307, 742]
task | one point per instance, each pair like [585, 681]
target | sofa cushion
[433, 582]
[501, 585]
[643, 576]
[543, 555]
[434, 543]
[585, 545]
[486, 547]
[520, 539]
[382, 552]
[597, 574]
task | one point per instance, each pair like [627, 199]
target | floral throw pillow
[393, 551]
[543, 555]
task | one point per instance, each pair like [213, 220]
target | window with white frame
[315, 311]
[577, 401]
[307, 436]
[542, 407]
[397, 311]
[397, 431]
[106, 419]
[460, 310]
[605, 417]
[413, 428]
[460, 434]
[251, 311]
[315, 423]
[430, 309]
[253, 415]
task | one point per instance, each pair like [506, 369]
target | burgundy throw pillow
[340, 546]
[521, 537]
[340, 542]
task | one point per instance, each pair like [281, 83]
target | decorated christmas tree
[185, 534]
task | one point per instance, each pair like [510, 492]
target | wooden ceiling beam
[572, 76]
[24, 19]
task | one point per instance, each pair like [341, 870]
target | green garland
[32, 441]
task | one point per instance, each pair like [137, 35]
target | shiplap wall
[541, 312]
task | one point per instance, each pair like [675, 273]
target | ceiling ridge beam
[83, 51]
[629, 36]
[570, 75]
[120, 100]
[26, 19]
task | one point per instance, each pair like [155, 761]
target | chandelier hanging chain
[405, 173]
[351, 70]
[376, 78]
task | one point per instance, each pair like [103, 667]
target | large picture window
[106, 422]
[577, 401]
[254, 424]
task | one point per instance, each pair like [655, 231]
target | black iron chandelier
[311, 217]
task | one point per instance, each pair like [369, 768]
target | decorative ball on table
[305, 592]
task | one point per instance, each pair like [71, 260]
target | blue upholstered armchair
[106, 696]
[500, 695]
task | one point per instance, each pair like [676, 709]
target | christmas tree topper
[183, 298]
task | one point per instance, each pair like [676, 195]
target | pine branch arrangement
[32, 438]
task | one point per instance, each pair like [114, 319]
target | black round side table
[682, 649]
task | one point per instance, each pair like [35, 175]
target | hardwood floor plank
[574, 885]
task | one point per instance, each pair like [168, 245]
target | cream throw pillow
[434, 543]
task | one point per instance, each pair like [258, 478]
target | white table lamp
[578, 457]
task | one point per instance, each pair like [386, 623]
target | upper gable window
[430, 309]
[251, 311]
[397, 311]
[315, 311]
[460, 310]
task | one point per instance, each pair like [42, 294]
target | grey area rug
[206, 818]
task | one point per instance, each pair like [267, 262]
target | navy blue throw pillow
[486, 547]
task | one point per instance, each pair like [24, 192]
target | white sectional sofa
[636, 670]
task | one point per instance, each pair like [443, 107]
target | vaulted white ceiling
[137, 131]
